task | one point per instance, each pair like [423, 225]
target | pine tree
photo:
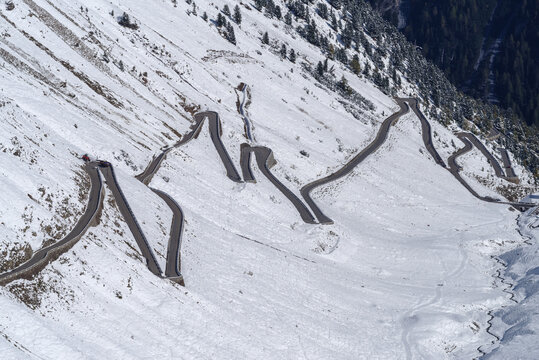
[283, 51]
[237, 15]
[347, 35]
[230, 33]
[323, 11]
[226, 10]
[265, 38]
[367, 69]
[259, 4]
[288, 18]
[278, 14]
[356, 67]
[205, 16]
[220, 20]
[334, 24]
[125, 21]
[292, 56]
[343, 85]
[320, 69]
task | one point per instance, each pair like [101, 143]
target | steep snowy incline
[405, 270]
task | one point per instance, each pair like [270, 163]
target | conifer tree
[237, 15]
[320, 69]
[226, 10]
[292, 56]
[283, 51]
[278, 14]
[356, 67]
[288, 18]
[230, 33]
[220, 20]
[265, 38]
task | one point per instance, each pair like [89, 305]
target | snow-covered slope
[406, 270]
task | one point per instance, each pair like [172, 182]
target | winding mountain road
[356, 160]
[265, 160]
[454, 169]
[426, 130]
[44, 256]
[507, 165]
[479, 145]
[173, 265]
[131, 220]
[195, 128]
[172, 270]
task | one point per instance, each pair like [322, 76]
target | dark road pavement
[42, 257]
[348, 167]
[264, 160]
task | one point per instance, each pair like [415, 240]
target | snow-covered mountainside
[407, 269]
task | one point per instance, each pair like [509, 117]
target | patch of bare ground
[33, 292]
[188, 107]
[228, 56]
[172, 130]
[513, 192]
[65, 211]
[14, 256]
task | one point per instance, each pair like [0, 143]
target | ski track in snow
[411, 315]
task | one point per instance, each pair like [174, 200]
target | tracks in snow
[410, 316]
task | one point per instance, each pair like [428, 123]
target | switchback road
[195, 128]
[426, 131]
[172, 270]
[264, 159]
[348, 167]
[479, 145]
[427, 140]
[44, 256]
[130, 219]
[454, 169]
[507, 165]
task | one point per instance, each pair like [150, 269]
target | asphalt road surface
[479, 145]
[172, 270]
[507, 164]
[196, 127]
[42, 257]
[426, 131]
[454, 168]
[131, 220]
[348, 167]
[265, 160]
[427, 140]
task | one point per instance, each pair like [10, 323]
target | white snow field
[407, 270]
